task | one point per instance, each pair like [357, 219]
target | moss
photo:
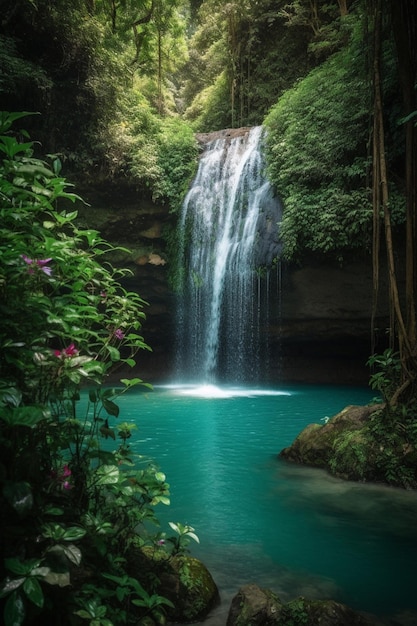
[182, 579]
[197, 590]
[350, 455]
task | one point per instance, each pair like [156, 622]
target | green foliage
[393, 440]
[177, 161]
[71, 507]
[317, 151]
[16, 71]
[294, 613]
[386, 374]
[384, 448]
[350, 455]
[159, 155]
[242, 57]
[184, 535]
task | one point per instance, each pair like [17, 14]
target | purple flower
[42, 264]
[118, 333]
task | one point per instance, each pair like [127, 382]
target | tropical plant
[72, 499]
[183, 537]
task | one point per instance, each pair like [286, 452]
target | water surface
[295, 530]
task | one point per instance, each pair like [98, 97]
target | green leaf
[131, 382]
[11, 396]
[114, 353]
[24, 416]
[7, 118]
[10, 585]
[111, 407]
[14, 611]
[107, 475]
[83, 614]
[19, 496]
[73, 533]
[61, 579]
[162, 500]
[53, 510]
[130, 362]
[73, 553]
[21, 567]
[33, 591]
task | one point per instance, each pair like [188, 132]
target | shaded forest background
[122, 86]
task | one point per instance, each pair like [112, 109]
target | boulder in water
[253, 606]
[314, 446]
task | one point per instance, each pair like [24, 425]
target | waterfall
[228, 236]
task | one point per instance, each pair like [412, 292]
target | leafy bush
[318, 158]
[177, 161]
[70, 509]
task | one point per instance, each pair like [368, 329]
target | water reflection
[387, 510]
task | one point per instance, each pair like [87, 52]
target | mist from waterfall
[228, 237]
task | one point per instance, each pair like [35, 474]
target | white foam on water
[210, 391]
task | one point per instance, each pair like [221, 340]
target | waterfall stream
[228, 239]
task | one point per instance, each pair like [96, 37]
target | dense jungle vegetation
[115, 91]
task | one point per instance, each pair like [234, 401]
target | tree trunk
[403, 14]
[381, 198]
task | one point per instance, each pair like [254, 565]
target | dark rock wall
[319, 323]
[323, 333]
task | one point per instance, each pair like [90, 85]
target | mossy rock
[182, 579]
[191, 589]
[314, 446]
[358, 445]
[253, 606]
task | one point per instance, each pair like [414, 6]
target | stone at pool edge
[253, 606]
[183, 579]
[314, 445]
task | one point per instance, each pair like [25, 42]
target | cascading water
[228, 237]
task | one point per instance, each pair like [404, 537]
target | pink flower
[42, 264]
[118, 333]
[71, 350]
[61, 478]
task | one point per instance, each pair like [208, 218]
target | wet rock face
[253, 606]
[319, 323]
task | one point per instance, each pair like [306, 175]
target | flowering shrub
[70, 511]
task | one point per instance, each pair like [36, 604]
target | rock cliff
[319, 322]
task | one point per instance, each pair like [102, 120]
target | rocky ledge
[360, 444]
[253, 606]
